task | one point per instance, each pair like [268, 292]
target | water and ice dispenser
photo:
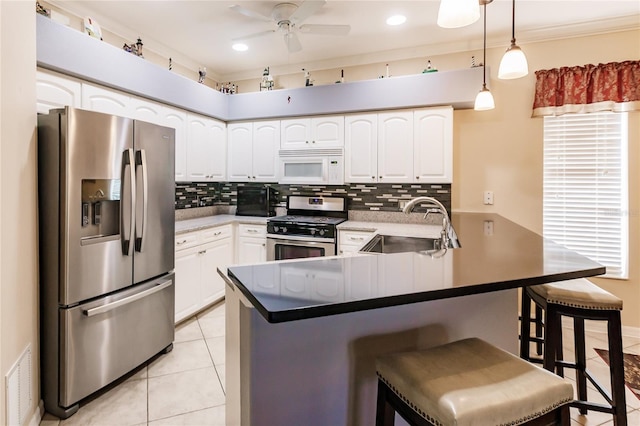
[100, 208]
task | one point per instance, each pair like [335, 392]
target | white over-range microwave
[312, 166]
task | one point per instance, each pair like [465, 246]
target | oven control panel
[306, 230]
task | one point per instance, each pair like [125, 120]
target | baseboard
[36, 417]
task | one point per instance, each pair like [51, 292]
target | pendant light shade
[484, 99]
[458, 13]
[514, 62]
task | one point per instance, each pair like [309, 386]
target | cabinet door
[206, 149]
[327, 132]
[395, 147]
[218, 254]
[98, 99]
[295, 133]
[187, 269]
[178, 120]
[252, 250]
[240, 148]
[145, 110]
[53, 91]
[266, 141]
[361, 148]
[433, 145]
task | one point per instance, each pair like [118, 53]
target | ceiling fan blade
[340, 30]
[306, 9]
[261, 33]
[250, 13]
[292, 42]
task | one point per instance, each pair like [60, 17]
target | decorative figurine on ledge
[229, 89]
[92, 28]
[42, 11]
[267, 80]
[136, 48]
[307, 78]
[202, 73]
[429, 68]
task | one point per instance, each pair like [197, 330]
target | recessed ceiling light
[240, 47]
[396, 20]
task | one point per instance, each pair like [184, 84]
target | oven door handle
[290, 238]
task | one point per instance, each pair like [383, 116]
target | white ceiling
[199, 33]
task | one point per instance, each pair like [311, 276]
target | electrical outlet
[488, 198]
[488, 228]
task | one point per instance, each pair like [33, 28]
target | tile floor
[186, 386]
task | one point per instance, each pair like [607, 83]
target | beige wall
[18, 246]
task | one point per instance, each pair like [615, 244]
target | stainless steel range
[308, 229]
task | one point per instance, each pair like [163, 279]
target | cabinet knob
[380, 177]
[313, 141]
[417, 177]
[373, 177]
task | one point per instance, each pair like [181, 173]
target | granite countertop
[495, 254]
[197, 224]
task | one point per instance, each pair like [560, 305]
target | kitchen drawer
[246, 230]
[217, 233]
[354, 237]
[187, 240]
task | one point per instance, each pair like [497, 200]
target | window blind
[585, 191]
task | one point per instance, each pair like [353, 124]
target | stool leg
[385, 414]
[525, 325]
[581, 360]
[616, 368]
[552, 333]
[538, 329]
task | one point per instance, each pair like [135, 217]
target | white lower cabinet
[351, 241]
[199, 254]
[252, 243]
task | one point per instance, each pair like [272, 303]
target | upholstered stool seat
[468, 382]
[581, 300]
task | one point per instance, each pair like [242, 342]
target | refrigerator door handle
[141, 161]
[111, 306]
[127, 162]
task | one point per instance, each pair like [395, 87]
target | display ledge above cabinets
[58, 46]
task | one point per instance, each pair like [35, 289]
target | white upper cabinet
[177, 119]
[54, 91]
[433, 145]
[206, 149]
[240, 146]
[395, 147]
[108, 101]
[253, 151]
[361, 148]
[266, 140]
[149, 111]
[316, 132]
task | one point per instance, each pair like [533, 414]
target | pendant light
[458, 13]
[514, 62]
[484, 99]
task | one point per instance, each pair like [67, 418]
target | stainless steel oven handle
[111, 306]
[285, 238]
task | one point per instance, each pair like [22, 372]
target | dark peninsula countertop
[496, 254]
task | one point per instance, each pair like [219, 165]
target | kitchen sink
[399, 244]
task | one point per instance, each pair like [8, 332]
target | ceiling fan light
[484, 100]
[513, 64]
[240, 47]
[458, 13]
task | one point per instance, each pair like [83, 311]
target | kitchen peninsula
[302, 335]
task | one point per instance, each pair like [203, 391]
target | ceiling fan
[288, 18]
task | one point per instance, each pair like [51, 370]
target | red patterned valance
[605, 87]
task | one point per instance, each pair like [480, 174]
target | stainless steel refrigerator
[106, 235]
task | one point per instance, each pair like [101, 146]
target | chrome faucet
[445, 233]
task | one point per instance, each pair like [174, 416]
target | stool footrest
[593, 406]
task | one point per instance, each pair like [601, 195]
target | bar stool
[468, 382]
[581, 300]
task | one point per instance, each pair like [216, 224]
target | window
[585, 201]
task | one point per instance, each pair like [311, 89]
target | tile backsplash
[364, 197]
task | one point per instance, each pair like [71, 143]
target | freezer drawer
[104, 339]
